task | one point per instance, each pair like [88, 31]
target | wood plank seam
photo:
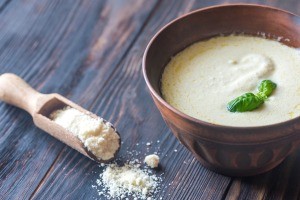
[4, 5]
[227, 189]
[47, 174]
[127, 51]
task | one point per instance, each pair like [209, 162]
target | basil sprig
[250, 101]
[265, 88]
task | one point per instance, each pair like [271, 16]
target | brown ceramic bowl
[233, 151]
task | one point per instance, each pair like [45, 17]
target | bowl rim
[193, 119]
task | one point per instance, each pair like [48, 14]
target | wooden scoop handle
[15, 91]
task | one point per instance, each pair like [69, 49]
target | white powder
[152, 160]
[128, 180]
[97, 136]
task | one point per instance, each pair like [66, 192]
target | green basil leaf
[250, 101]
[265, 88]
[246, 102]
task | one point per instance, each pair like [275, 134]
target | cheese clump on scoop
[97, 135]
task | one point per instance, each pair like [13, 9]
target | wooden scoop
[15, 91]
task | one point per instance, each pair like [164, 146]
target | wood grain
[48, 43]
[90, 52]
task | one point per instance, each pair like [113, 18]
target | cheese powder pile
[97, 136]
[128, 180]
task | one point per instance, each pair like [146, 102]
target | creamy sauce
[203, 78]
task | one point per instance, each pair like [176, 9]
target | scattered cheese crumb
[97, 136]
[175, 150]
[232, 62]
[128, 180]
[148, 144]
[152, 160]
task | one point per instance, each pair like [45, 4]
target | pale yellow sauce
[203, 78]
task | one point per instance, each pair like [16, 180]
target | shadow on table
[283, 182]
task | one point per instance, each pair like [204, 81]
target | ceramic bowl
[233, 151]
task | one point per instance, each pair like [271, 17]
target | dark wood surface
[90, 51]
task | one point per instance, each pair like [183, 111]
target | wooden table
[90, 51]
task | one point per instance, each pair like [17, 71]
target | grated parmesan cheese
[152, 160]
[130, 179]
[148, 144]
[97, 136]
